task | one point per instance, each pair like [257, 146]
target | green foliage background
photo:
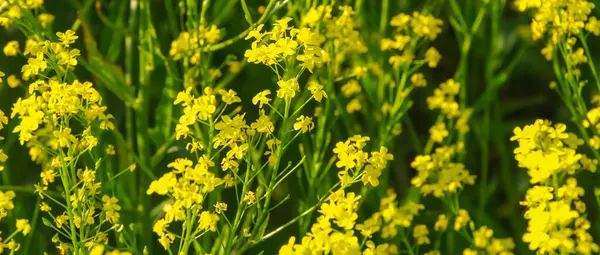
[518, 100]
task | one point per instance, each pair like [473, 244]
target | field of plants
[374, 127]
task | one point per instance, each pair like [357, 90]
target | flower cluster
[409, 31]
[555, 212]
[438, 175]
[194, 109]
[325, 238]
[444, 99]
[592, 122]
[3, 156]
[355, 163]
[340, 29]
[188, 43]
[485, 243]
[284, 44]
[12, 11]
[558, 19]
[186, 184]
[22, 225]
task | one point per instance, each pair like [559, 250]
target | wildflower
[420, 233]
[371, 175]
[438, 132]
[250, 198]
[220, 207]
[442, 223]
[316, 90]
[1, 75]
[578, 57]
[353, 106]
[432, 56]
[461, 220]
[263, 125]
[23, 226]
[287, 88]
[426, 25]
[46, 19]
[230, 97]
[67, 38]
[13, 81]
[418, 80]
[34, 66]
[304, 124]
[255, 33]
[261, 98]
[11, 49]
[351, 88]
[208, 221]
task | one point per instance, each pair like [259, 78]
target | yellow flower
[46, 19]
[1, 75]
[34, 66]
[263, 125]
[420, 233]
[426, 25]
[229, 97]
[3, 119]
[249, 198]
[68, 57]
[442, 223]
[462, 219]
[11, 48]
[353, 106]
[351, 88]
[261, 98]
[418, 80]
[304, 124]
[208, 221]
[23, 226]
[432, 56]
[255, 33]
[316, 90]
[371, 175]
[67, 37]
[578, 57]
[482, 236]
[13, 81]
[287, 88]
[438, 132]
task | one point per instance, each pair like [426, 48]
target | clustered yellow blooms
[562, 21]
[189, 43]
[592, 121]
[22, 225]
[409, 31]
[444, 99]
[438, 175]
[484, 242]
[354, 163]
[341, 30]
[325, 238]
[12, 10]
[558, 18]
[556, 215]
[187, 184]
[284, 44]
[59, 120]
[3, 156]
[100, 250]
[194, 110]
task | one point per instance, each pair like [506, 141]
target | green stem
[590, 60]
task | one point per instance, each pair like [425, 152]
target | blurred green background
[524, 97]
